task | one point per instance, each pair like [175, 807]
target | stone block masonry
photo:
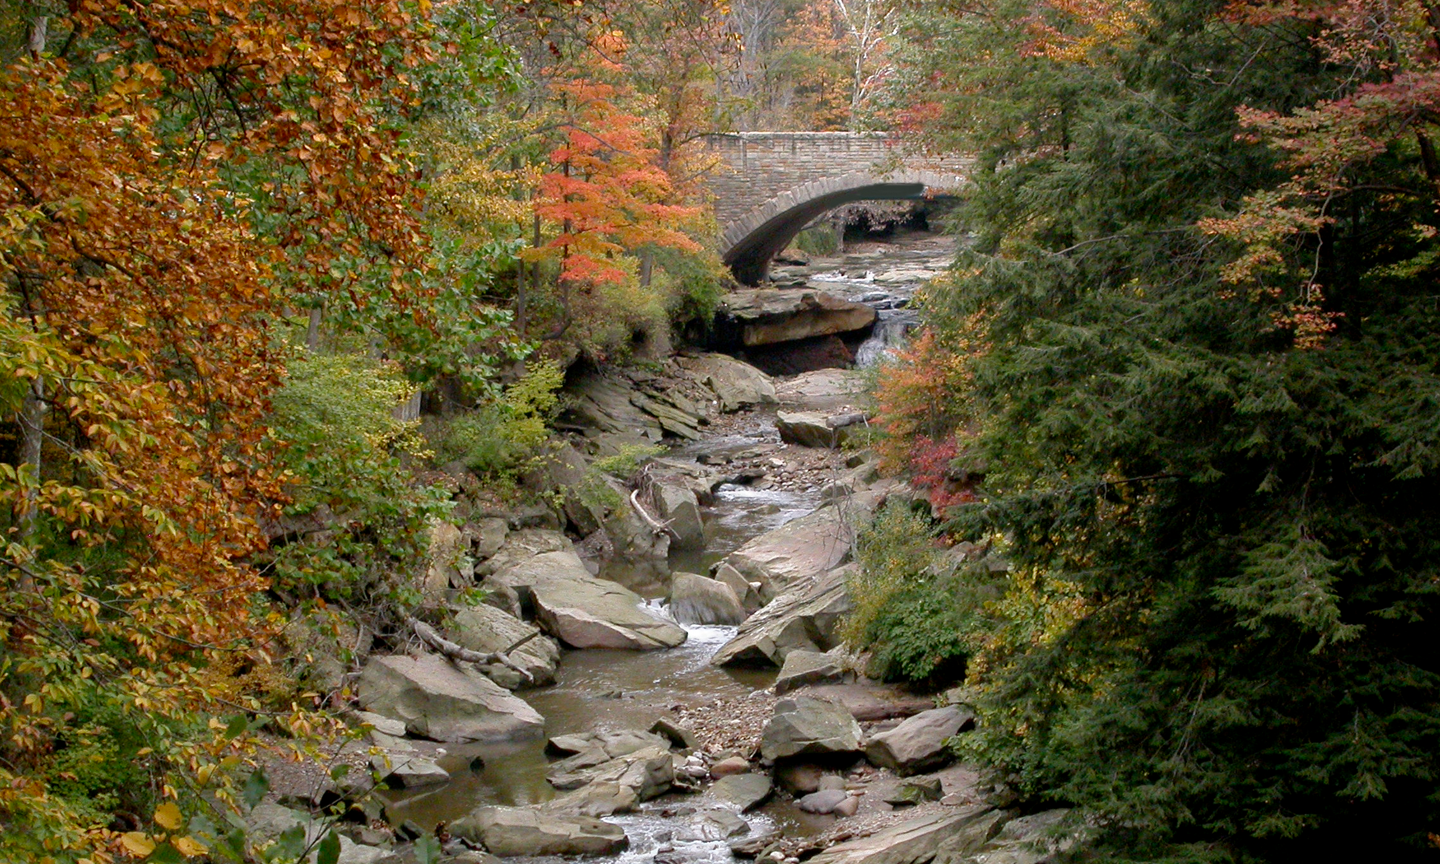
[768, 185]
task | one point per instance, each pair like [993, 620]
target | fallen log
[434, 640]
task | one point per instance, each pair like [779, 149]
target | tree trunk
[32, 431]
[36, 35]
[312, 332]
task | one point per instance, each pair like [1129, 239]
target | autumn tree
[173, 177]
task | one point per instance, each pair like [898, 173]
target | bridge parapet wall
[755, 167]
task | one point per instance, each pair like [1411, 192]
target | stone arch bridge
[769, 185]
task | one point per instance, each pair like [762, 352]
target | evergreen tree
[1216, 493]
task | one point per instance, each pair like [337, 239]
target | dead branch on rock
[434, 640]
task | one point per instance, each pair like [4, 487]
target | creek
[600, 690]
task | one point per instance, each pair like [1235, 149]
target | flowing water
[609, 690]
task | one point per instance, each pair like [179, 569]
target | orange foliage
[922, 401]
[140, 297]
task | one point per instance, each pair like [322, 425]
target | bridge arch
[751, 240]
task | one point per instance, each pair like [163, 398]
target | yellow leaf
[168, 816]
[137, 843]
[189, 846]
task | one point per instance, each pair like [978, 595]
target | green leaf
[256, 785]
[165, 854]
[427, 849]
[329, 850]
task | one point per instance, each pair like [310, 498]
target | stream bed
[604, 690]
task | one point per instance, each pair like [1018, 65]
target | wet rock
[487, 629]
[823, 802]
[679, 508]
[736, 384]
[918, 743]
[766, 316]
[943, 836]
[804, 726]
[792, 555]
[677, 735]
[695, 599]
[596, 613]
[805, 620]
[803, 667]
[437, 699]
[745, 791]
[720, 825]
[730, 766]
[512, 831]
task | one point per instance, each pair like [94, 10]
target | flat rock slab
[949, 835]
[826, 390]
[745, 791]
[792, 555]
[766, 316]
[918, 743]
[438, 699]
[804, 727]
[808, 667]
[512, 831]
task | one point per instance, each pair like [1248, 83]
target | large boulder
[804, 620]
[679, 508]
[797, 551]
[803, 667]
[809, 727]
[438, 699]
[520, 546]
[488, 630]
[596, 613]
[736, 384]
[512, 831]
[918, 743]
[765, 316]
[697, 600]
[816, 429]
[745, 791]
